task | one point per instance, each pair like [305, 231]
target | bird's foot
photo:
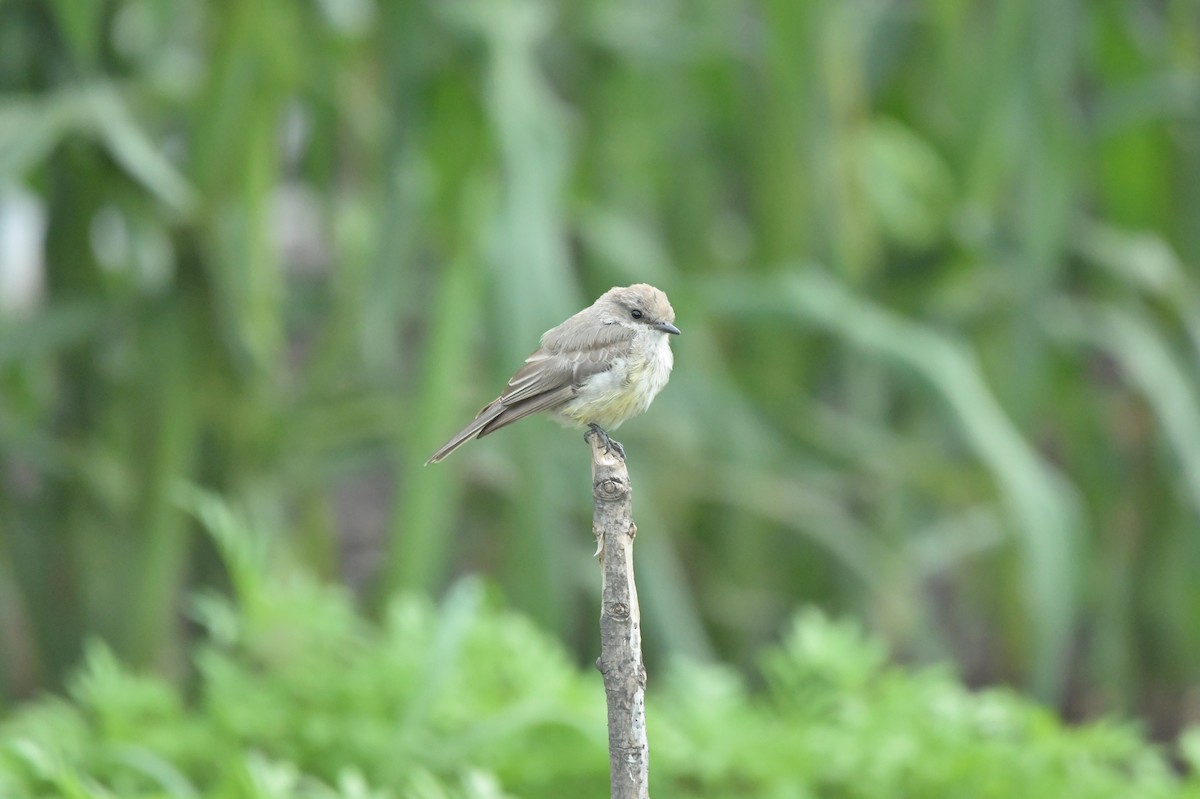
[610, 445]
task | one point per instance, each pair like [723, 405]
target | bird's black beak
[667, 327]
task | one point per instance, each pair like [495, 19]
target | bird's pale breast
[625, 390]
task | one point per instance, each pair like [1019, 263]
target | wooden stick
[620, 625]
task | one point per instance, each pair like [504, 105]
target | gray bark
[620, 625]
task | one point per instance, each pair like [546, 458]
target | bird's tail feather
[498, 414]
[485, 416]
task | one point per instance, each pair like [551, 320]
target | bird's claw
[610, 445]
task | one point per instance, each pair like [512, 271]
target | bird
[597, 369]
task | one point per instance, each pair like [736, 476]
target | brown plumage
[600, 367]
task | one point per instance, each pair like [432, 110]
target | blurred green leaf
[134, 150]
[1168, 385]
[30, 129]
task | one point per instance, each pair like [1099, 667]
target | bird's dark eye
[635, 313]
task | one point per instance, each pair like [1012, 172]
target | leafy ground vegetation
[295, 695]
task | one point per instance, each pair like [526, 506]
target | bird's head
[638, 307]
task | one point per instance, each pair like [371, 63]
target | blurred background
[934, 263]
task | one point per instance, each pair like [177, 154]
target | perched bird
[600, 367]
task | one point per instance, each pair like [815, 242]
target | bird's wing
[510, 413]
[551, 376]
[547, 371]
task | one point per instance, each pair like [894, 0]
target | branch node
[611, 489]
[618, 611]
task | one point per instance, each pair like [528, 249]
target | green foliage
[837, 722]
[304, 698]
[298, 696]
